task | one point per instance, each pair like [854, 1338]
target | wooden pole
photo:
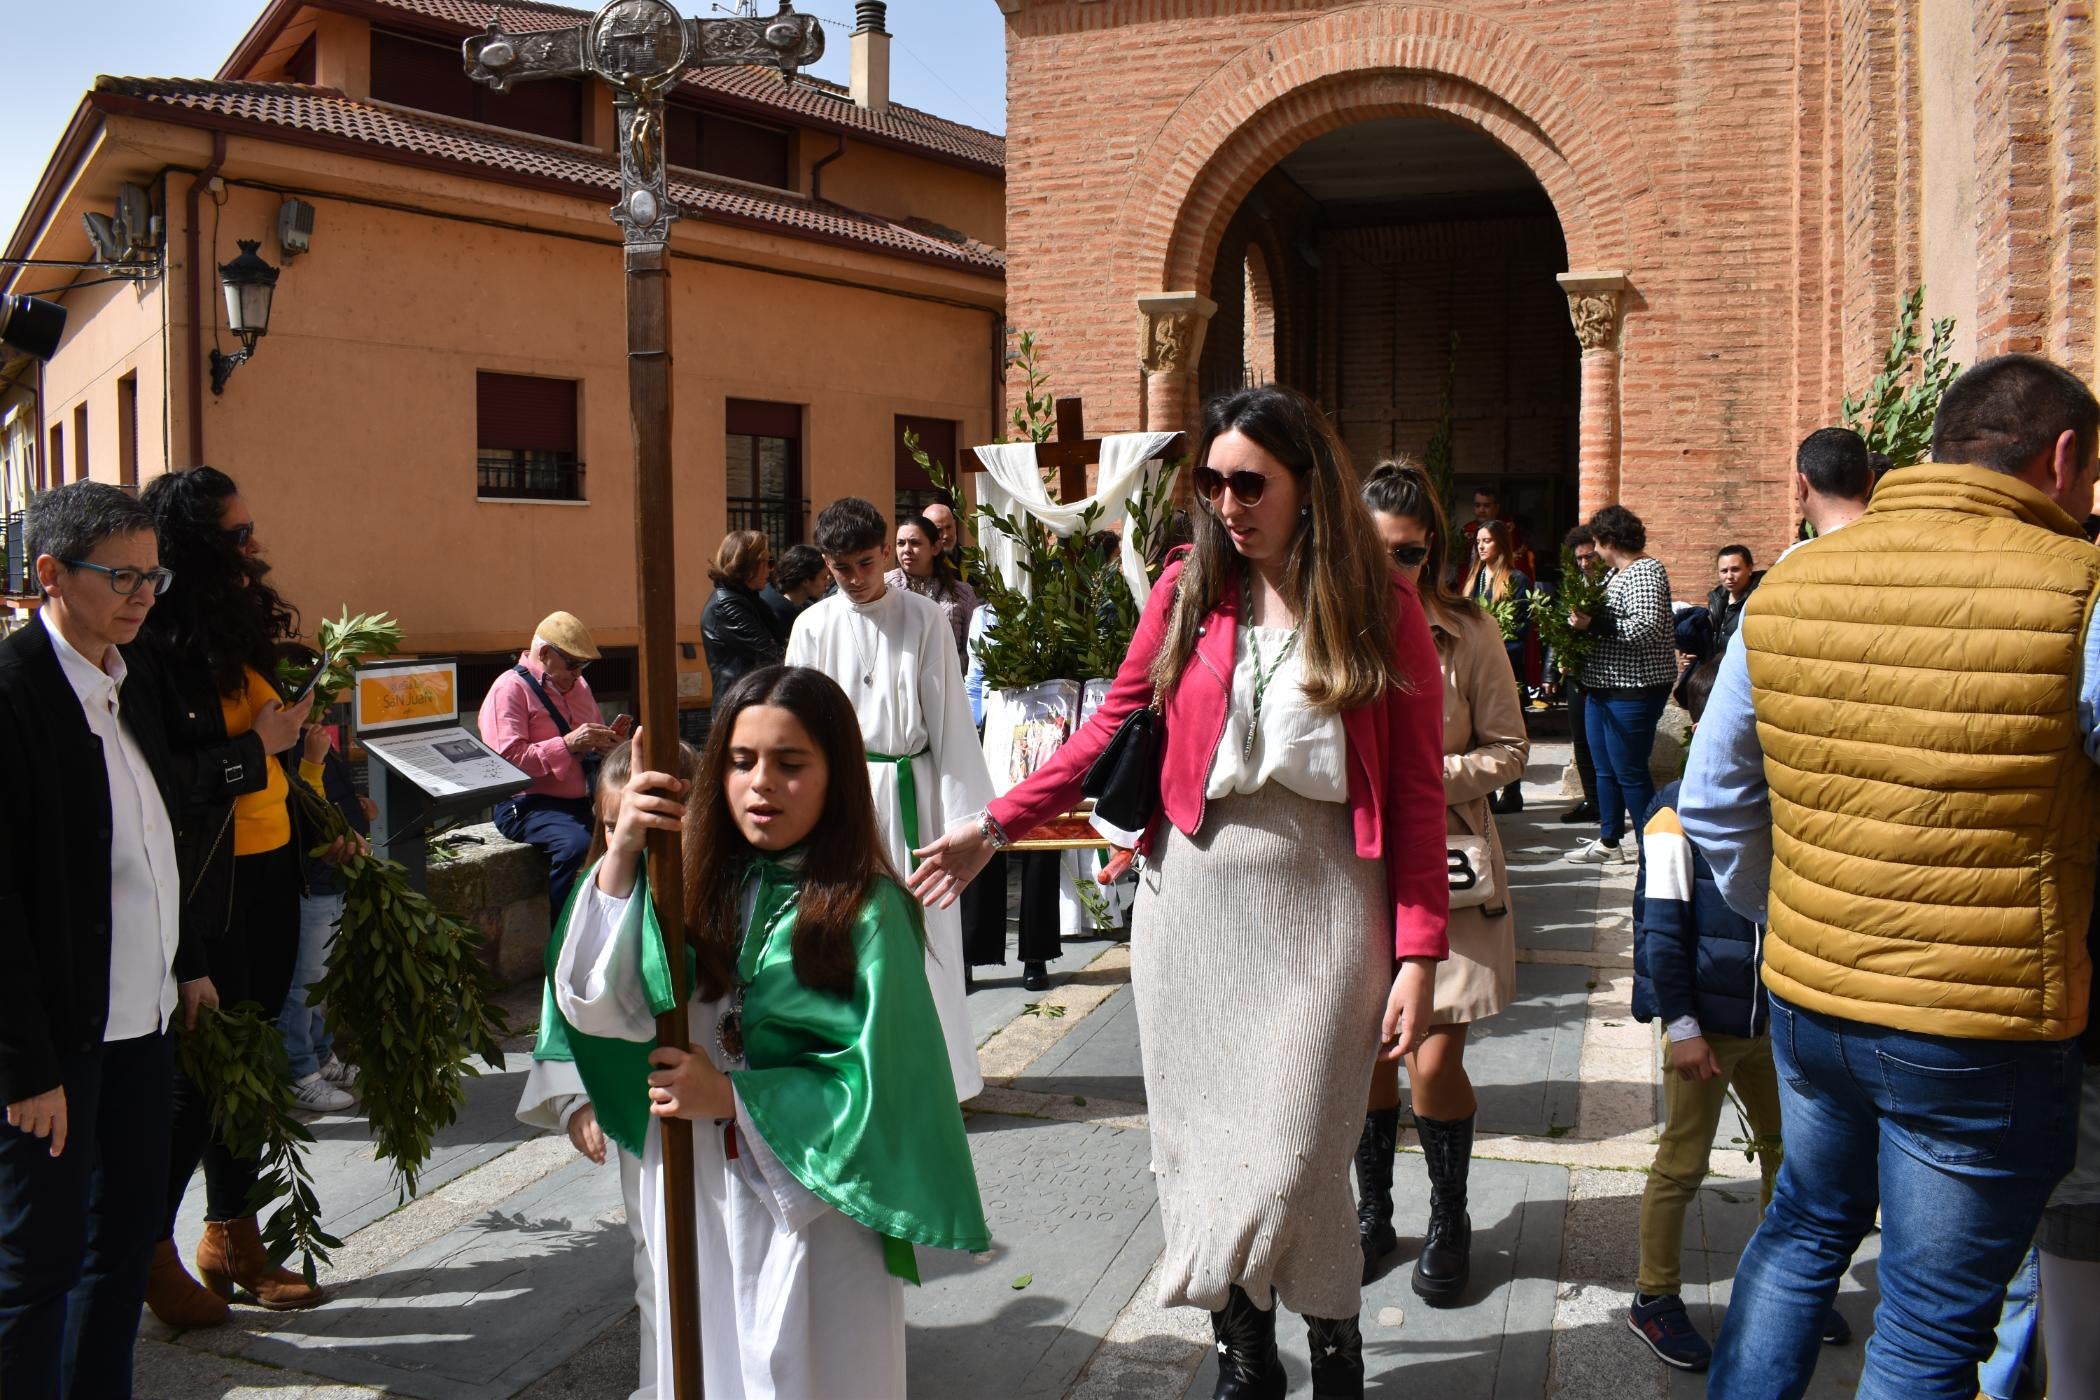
[649, 405]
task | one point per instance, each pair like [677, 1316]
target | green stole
[852, 1093]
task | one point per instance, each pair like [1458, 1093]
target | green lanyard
[1261, 677]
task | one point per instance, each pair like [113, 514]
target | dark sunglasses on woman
[1408, 556]
[1246, 487]
[239, 535]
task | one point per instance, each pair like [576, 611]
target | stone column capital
[1171, 326]
[1595, 300]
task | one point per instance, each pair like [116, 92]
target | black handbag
[1123, 779]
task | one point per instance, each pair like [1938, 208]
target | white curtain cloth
[1013, 481]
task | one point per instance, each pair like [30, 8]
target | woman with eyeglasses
[1485, 748]
[217, 638]
[1297, 855]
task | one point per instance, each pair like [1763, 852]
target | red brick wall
[1669, 136]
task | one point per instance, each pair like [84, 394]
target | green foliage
[1078, 618]
[1579, 592]
[1895, 416]
[1753, 1144]
[1509, 617]
[404, 980]
[407, 981]
[241, 1054]
[345, 642]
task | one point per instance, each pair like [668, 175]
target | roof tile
[809, 98]
[296, 107]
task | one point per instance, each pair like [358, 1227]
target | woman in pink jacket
[1298, 850]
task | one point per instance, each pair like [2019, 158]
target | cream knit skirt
[1261, 956]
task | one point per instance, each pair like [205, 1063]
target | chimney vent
[870, 80]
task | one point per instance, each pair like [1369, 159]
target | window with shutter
[763, 470]
[427, 76]
[702, 140]
[525, 432]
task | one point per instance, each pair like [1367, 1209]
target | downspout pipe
[195, 278]
[816, 170]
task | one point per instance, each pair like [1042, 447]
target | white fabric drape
[1013, 480]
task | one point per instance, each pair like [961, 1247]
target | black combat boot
[1374, 1187]
[1441, 1272]
[1248, 1366]
[1337, 1357]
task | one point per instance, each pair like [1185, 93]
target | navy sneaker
[1836, 1331]
[1663, 1325]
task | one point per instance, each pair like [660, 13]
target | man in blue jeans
[1894, 773]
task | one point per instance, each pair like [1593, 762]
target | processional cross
[1071, 452]
[641, 48]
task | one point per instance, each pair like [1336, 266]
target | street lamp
[249, 283]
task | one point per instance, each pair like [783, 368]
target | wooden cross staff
[1071, 452]
[641, 48]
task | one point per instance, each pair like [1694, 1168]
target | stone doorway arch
[1357, 64]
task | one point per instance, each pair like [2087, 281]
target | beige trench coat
[1485, 748]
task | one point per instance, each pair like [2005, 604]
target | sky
[947, 57]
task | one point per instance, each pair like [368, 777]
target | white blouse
[1296, 745]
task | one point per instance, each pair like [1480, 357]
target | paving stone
[1495, 1344]
[1525, 1063]
[1099, 1059]
[1000, 997]
[1072, 1211]
[482, 1312]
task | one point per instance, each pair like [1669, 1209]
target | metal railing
[778, 518]
[14, 554]
[530, 476]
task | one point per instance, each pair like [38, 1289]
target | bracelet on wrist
[993, 832]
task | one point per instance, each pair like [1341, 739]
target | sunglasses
[1246, 487]
[569, 661]
[125, 582]
[239, 535]
[1409, 556]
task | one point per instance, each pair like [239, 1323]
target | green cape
[853, 1094]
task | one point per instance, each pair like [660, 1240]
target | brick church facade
[1638, 249]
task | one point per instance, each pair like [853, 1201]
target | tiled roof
[809, 99]
[425, 138]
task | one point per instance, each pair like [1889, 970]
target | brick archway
[1358, 64]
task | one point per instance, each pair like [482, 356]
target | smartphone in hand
[311, 681]
[623, 727]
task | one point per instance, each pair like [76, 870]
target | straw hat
[566, 633]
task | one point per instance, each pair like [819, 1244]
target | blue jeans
[303, 1025]
[1621, 727]
[2018, 1326]
[560, 828]
[77, 1231]
[1959, 1142]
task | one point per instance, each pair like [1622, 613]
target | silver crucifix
[641, 48]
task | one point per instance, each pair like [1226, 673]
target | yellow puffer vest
[1934, 814]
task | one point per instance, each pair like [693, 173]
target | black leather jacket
[738, 630]
[211, 770]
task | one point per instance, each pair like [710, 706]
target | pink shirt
[515, 724]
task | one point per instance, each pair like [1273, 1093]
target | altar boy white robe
[895, 658]
[795, 1299]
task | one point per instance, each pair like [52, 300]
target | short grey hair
[68, 522]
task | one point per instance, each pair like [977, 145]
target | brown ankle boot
[232, 1253]
[176, 1298]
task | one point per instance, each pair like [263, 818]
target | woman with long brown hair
[830, 1143]
[1484, 748]
[1298, 851]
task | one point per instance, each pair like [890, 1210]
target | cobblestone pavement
[508, 1276]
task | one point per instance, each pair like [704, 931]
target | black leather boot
[1446, 1262]
[1374, 1187]
[1337, 1357]
[1248, 1366]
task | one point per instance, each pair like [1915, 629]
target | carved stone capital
[1171, 327]
[1595, 300]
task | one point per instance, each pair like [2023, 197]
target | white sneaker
[1595, 852]
[337, 1073]
[313, 1094]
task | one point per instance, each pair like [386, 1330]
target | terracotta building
[1641, 249]
[436, 422]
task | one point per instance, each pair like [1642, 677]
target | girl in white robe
[827, 1142]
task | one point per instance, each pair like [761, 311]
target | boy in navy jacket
[1696, 971]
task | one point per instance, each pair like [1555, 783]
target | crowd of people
[1864, 913]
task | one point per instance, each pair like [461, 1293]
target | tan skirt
[1260, 963]
[1480, 976]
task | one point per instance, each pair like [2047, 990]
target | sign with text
[447, 764]
[397, 694]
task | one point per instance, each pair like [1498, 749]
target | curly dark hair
[1619, 528]
[225, 612]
